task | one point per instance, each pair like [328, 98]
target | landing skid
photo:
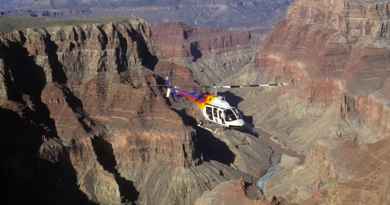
[216, 129]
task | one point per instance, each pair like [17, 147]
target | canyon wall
[195, 42]
[335, 111]
[83, 116]
[335, 50]
[59, 82]
[212, 55]
[245, 14]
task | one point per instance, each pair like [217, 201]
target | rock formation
[212, 55]
[84, 118]
[231, 192]
[51, 75]
[334, 54]
[236, 192]
[83, 114]
[247, 14]
[178, 40]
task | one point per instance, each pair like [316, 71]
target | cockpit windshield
[230, 116]
[236, 112]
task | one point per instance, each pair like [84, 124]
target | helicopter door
[222, 117]
[209, 113]
[215, 115]
[215, 112]
[218, 117]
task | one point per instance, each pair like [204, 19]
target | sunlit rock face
[212, 55]
[85, 115]
[335, 57]
[231, 192]
[335, 50]
[57, 81]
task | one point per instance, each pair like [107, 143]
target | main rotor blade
[247, 86]
[234, 86]
[159, 85]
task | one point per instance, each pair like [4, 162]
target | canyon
[248, 14]
[84, 115]
[334, 54]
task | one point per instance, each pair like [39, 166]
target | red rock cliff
[335, 111]
[335, 51]
[177, 40]
[85, 89]
[79, 104]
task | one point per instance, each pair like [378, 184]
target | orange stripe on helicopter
[199, 100]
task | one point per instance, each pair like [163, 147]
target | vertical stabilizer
[169, 90]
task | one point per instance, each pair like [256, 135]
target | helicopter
[214, 108]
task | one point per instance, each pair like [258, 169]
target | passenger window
[215, 113]
[220, 117]
[209, 112]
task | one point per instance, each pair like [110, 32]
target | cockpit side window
[221, 117]
[230, 116]
[215, 112]
[209, 112]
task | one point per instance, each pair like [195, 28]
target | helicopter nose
[240, 122]
[237, 123]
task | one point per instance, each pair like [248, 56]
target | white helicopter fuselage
[219, 111]
[215, 108]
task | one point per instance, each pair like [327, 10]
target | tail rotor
[168, 84]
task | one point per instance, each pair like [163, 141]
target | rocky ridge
[80, 105]
[334, 54]
[231, 192]
[210, 54]
[248, 14]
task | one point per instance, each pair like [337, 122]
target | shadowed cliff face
[34, 162]
[81, 110]
[89, 122]
[105, 156]
[43, 74]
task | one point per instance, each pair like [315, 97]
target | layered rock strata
[335, 50]
[81, 105]
[334, 54]
[211, 54]
[60, 80]
[231, 192]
